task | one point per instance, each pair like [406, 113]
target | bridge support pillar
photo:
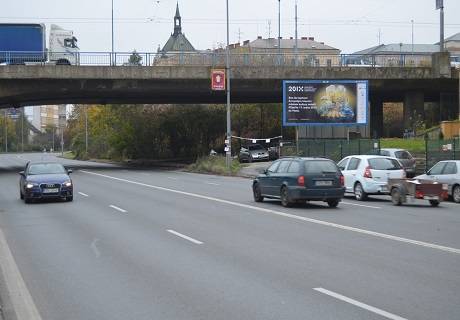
[376, 117]
[413, 108]
[448, 106]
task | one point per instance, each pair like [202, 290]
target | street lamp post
[279, 54]
[112, 55]
[6, 131]
[22, 129]
[86, 130]
[229, 125]
[279, 30]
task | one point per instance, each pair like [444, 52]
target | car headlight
[67, 184]
[30, 185]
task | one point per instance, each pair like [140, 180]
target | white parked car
[368, 174]
[447, 172]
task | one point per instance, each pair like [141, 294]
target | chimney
[246, 42]
[311, 38]
[259, 37]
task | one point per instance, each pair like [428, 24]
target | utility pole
[6, 131]
[412, 22]
[279, 50]
[86, 130]
[112, 56]
[62, 141]
[440, 6]
[269, 29]
[279, 29]
[229, 125]
[54, 134]
[22, 129]
[296, 35]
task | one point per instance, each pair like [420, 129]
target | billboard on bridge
[325, 102]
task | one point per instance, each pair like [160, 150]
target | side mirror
[69, 171]
[22, 173]
[265, 171]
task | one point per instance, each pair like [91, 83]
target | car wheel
[257, 193]
[69, 199]
[396, 196]
[21, 195]
[250, 159]
[456, 194]
[360, 194]
[333, 203]
[284, 196]
[434, 203]
[27, 200]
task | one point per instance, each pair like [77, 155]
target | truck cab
[63, 49]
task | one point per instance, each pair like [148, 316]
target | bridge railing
[218, 59]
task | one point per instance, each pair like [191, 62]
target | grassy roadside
[412, 145]
[214, 165]
[69, 155]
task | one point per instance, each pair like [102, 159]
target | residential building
[452, 44]
[394, 54]
[49, 116]
[305, 50]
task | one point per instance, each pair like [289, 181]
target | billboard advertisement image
[324, 102]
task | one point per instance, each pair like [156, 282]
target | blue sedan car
[45, 180]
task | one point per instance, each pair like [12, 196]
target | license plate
[55, 190]
[323, 183]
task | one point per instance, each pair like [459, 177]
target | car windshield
[46, 168]
[384, 164]
[255, 147]
[320, 166]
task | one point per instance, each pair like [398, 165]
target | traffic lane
[371, 265]
[153, 276]
[47, 254]
[418, 222]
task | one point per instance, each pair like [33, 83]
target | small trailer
[408, 190]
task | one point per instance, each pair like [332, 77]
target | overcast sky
[349, 25]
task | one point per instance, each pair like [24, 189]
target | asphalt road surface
[155, 244]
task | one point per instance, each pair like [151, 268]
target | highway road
[156, 244]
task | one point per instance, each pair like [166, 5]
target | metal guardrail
[217, 59]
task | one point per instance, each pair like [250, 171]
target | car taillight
[419, 194]
[367, 172]
[342, 180]
[301, 181]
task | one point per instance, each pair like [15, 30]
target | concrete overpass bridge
[25, 85]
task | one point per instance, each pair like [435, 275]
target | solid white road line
[117, 208]
[288, 215]
[172, 178]
[21, 300]
[360, 304]
[360, 205]
[213, 184]
[184, 237]
[83, 194]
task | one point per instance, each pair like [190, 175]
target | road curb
[17, 301]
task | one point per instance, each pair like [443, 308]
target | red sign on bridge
[218, 79]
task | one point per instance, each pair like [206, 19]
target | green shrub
[215, 165]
